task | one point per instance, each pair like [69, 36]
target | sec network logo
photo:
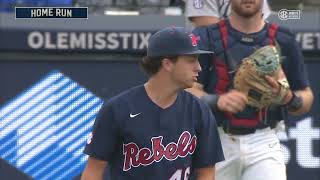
[285, 14]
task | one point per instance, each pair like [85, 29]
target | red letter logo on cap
[194, 39]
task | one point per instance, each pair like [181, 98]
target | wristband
[295, 103]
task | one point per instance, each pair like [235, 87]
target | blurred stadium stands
[8, 5]
[313, 5]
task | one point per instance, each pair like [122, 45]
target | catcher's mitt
[250, 77]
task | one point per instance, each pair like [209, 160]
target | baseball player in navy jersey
[207, 12]
[251, 148]
[157, 130]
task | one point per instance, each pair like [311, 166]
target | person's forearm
[196, 92]
[210, 99]
[207, 173]
[93, 174]
[203, 20]
[233, 101]
[94, 169]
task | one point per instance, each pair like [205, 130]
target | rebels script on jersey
[140, 140]
[145, 156]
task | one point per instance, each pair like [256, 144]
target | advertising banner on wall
[103, 41]
[47, 110]
[112, 41]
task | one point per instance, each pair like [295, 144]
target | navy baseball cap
[173, 41]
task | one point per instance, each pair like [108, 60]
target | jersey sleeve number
[178, 174]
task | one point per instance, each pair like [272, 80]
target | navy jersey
[239, 46]
[140, 140]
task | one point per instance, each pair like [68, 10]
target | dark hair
[151, 65]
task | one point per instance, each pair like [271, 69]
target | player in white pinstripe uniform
[206, 12]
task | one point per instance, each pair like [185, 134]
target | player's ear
[167, 64]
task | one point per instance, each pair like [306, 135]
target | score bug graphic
[51, 12]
